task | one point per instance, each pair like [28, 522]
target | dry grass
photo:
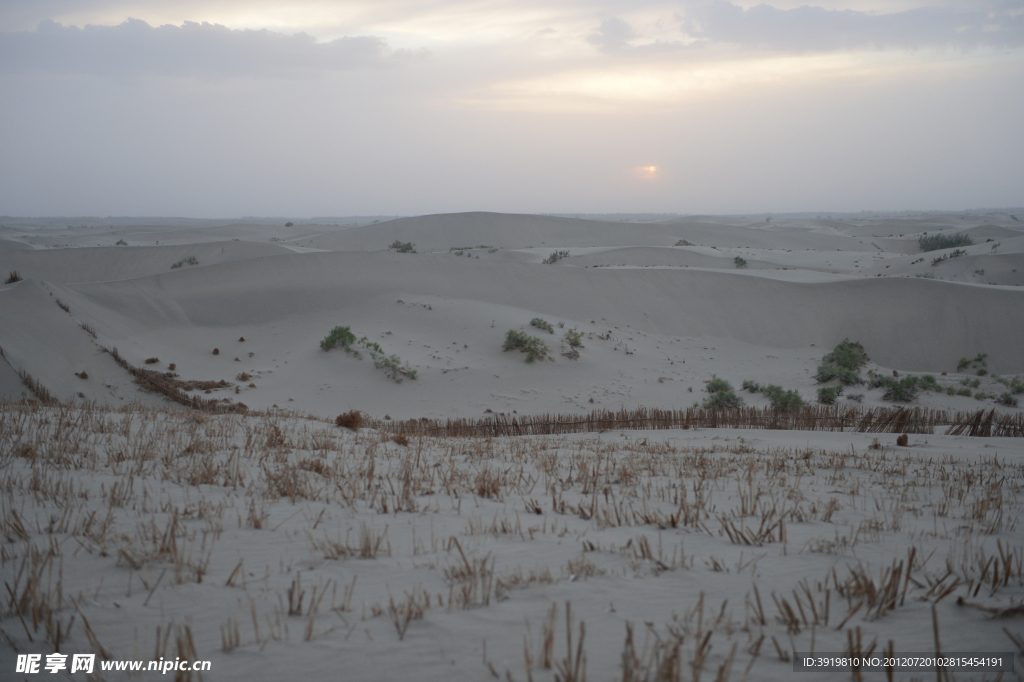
[350, 420]
[147, 495]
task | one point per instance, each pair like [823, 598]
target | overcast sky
[224, 108]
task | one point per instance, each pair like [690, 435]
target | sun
[646, 172]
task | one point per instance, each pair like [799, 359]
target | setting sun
[647, 172]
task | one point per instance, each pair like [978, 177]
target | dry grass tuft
[350, 420]
[13, 277]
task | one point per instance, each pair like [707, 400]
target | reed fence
[807, 418]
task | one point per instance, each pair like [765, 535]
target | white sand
[658, 322]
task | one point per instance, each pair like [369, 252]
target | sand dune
[649, 317]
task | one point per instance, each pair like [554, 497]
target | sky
[225, 108]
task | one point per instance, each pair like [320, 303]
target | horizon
[581, 215]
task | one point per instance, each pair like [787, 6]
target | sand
[658, 320]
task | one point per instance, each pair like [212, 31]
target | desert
[526, 447]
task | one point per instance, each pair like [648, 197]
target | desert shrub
[928, 382]
[1006, 399]
[121, 242]
[966, 392]
[391, 364]
[782, 399]
[717, 385]
[982, 372]
[751, 386]
[848, 354]
[400, 247]
[683, 242]
[534, 348]
[828, 372]
[739, 262]
[152, 361]
[574, 338]
[950, 390]
[827, 395]
[555, 257]
[13, 277]
[855, 397]
[393, 367]
[977, 362]
[289, 224]
[981, 395]
[722, 400]
[843, 363]
[542, 324]
[192, 260]
[903, 440]
[943, 241]
[901, 390]
[350, 420]
[339, 336]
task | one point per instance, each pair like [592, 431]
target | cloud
[612, 34]
[192, 49]
[816, 28]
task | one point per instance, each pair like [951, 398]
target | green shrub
[946, 256]
[400, 247]
[981, 395]
[339, 336]
[827, 394]
[843, 363]
[574, 338]
[964, 392]
[828, 372]
[982, 372]
[855, 397]
[943, 241]
[847, 354]
[782, 399]
[683, 242]
[717, 385]
[739, 262]
[555, 257]
[751, 386]
[901, 390]
[722, 400]
[542, 324]
[1006, 399]
[950, 390]
[392, 366]
[928, 382]
[979, 361]
[121, 242]
[191, 260]
[534, 348]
